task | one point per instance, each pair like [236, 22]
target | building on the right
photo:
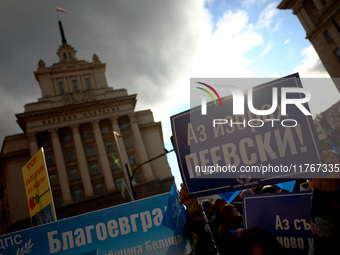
[321, 20]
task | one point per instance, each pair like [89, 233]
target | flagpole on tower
[63, 38]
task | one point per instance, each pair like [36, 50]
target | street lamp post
[128, 178]
[125, 168]
[140, 165]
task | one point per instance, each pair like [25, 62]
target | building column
[302, 21]
[61, 168]
[140, 148]
[110, 185]
[82, 162]
[33, 143]
[307, 20]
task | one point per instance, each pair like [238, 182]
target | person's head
[247, 192]
[207, 206]
[229, 214]
[219, 204]
[255, 241]
[197, 215]
[268, 189]
[312, 183]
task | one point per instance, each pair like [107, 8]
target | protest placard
[285, 215]
[38, 192]
[264, 136]
[131, 228]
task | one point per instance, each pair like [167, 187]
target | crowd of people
[217, 228]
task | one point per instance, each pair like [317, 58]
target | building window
[74, 174]
[45, 142]
[90, 150]
[327, 36]
[99, 189]
[138, 177]
[335, 24]
[87, 134]
[49, 160]
[75, 85]
[109, 147]
[122, 126]
[118, 182]
[337, 54]
[66, 138]
[78, 195]
[61, 87]
[88, 83]
[132, 159]
[53, 179]
[94, 169]
[69, 155]
[69, 55]
[57, 200]
[127, 142]
[105, 130]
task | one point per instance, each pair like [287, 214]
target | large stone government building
[92, 137]
[321, 20]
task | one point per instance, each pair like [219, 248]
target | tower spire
[65, 52]
[63, 38]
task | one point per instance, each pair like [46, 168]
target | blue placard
[286, 145]
[132, 228]
[285, 215]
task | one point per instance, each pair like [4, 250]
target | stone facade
[92, 138]
[321, 20]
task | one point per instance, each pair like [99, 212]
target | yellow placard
[36, 183]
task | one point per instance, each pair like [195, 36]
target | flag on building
[61, 10]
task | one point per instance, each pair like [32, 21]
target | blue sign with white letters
[285, 215]
[131, 228]
[219, 151]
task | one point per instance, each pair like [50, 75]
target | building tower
[321, 20]
[92, 138]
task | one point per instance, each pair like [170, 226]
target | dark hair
[243, 242]
[228, 216]
[268, 189]
[219, 202]
[206, 204]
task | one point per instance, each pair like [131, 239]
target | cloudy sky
[152, 48]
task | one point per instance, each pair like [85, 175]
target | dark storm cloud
[145, 44]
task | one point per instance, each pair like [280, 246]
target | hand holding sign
[256, 142]
[184, 198]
